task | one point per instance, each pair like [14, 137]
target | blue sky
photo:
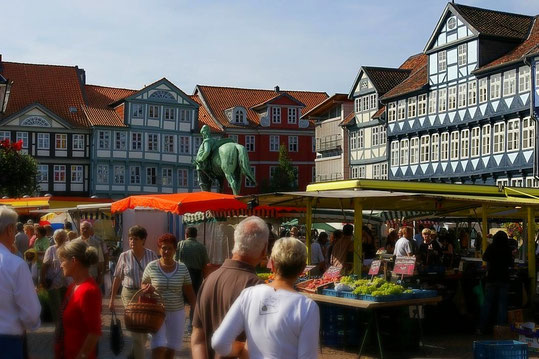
[296, 44]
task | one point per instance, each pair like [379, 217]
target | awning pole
[308, 225]
[531, 252]
[484, 227]
[358, 236]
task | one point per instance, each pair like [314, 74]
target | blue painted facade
[471, 123]
[153, 152]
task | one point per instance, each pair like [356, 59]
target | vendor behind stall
[342, 254]
[430, 252]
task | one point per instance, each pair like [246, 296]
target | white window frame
[60, 138]
[59, 173]
[462, 51]
[360, 138]
[486, 140]
[425, 149]
[353, 140]
[414, 150]
[509, 83]
[524, 80]
[274, 143]
[169, 113]
[183, 177]
[134, 174]
[119, 174]
[401, 110]
[152, 142]
[383, 135]
[375, 136]
[153, 112]
[495, 86]
[42, 173]
[185, 114]
[462, 96]
[103, 140]
[454, 145]
[475, 142]
[472, 93]
[452, 98]
[498, 142]
[250, 143]
[136, 141]
[442, 61]
[435, 147]
[5, 135]
[394, 153]
[357, 104]
[383, 170]
[464, 143]
[137, 110]
[392, 112]
[444, 146]
[412, 107]
[483, 90]
[528, 133]
[77, 173]
[513, 134]
[167, 177]
[22, 136]
[275, 115]
[120, 140]
[404, 152]
[169, 144]
[43, 141]
[373, 101]
[184, 145]
[292, 115]
[151, 176]
[293, 144]
[442, 100]
[433, 101]
[422, 105]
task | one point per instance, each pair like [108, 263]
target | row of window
[366, 103]
[463, 144]
[460, 96]
[529, 182]
[60, 173]
[135, 178]
[379, 171]
[274, 143]
[154, 112]
[170, 143]
[293, 114]
[44, 140]
[378, 137]
[462, 57]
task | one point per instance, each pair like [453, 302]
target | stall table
[373, 306]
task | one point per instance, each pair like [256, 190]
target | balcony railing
[329, 177]
[328, 143]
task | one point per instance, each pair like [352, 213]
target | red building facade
[262, 121]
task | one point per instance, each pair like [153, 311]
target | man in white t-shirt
[403, 247]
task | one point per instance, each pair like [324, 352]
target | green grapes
[378, 287]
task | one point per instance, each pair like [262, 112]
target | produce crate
[330, 292]
[500, 349]
[387, 298]
[347, 294]
[423, 293]
[304, 286]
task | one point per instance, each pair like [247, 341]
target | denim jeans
[495, 295]
[11, 346]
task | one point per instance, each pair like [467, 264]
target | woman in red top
[81, 316]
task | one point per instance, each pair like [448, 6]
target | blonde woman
[278, 321]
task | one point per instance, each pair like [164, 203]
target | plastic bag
[116, 335]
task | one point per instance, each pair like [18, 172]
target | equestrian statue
[220, 158]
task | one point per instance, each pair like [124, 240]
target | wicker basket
[144, 317]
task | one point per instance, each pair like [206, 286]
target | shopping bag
[116, 335]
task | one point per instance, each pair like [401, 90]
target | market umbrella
[180, 203]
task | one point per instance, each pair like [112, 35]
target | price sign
[333, 272]
[307, 270]
[375, 267]
[404, 265]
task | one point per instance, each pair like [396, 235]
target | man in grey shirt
[21, 239]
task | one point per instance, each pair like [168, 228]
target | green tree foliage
[285, 176]
[18, 172]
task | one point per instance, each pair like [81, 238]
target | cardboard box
[528, 333]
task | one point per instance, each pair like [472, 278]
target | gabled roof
[348, 119]
[384, 79]
[204, 117]
[528, 48]
[58, 88]
[326, 105]
[218, 99]
[486, 23]
[158, 82]
[416, 81]
[279, 96]
[99, 109]
[495, 23]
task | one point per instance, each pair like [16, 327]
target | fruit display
[313, 285]
[378, 287]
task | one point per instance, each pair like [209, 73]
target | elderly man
[19, 307]
[222, 287]
[21, 239]
[430, 251]
[405, 245]
[86, 234]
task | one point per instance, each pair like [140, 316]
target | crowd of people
[233, 313]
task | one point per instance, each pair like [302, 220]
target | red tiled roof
[99, 111]
[219, 99]
[56, 87]
[417, 79]
[528, 47]
[496, 23]
[414, 61]
[204, 117]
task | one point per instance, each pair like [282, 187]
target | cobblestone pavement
[40, 344]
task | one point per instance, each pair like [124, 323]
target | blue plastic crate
[347, 294]
[500, 349]
[330, 292]
[388, 298]
[423, 293]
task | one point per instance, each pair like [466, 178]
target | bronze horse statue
[220, 159]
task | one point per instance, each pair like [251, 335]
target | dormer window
[239, 115]
[276, 115]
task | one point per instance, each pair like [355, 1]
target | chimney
[277, 89]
